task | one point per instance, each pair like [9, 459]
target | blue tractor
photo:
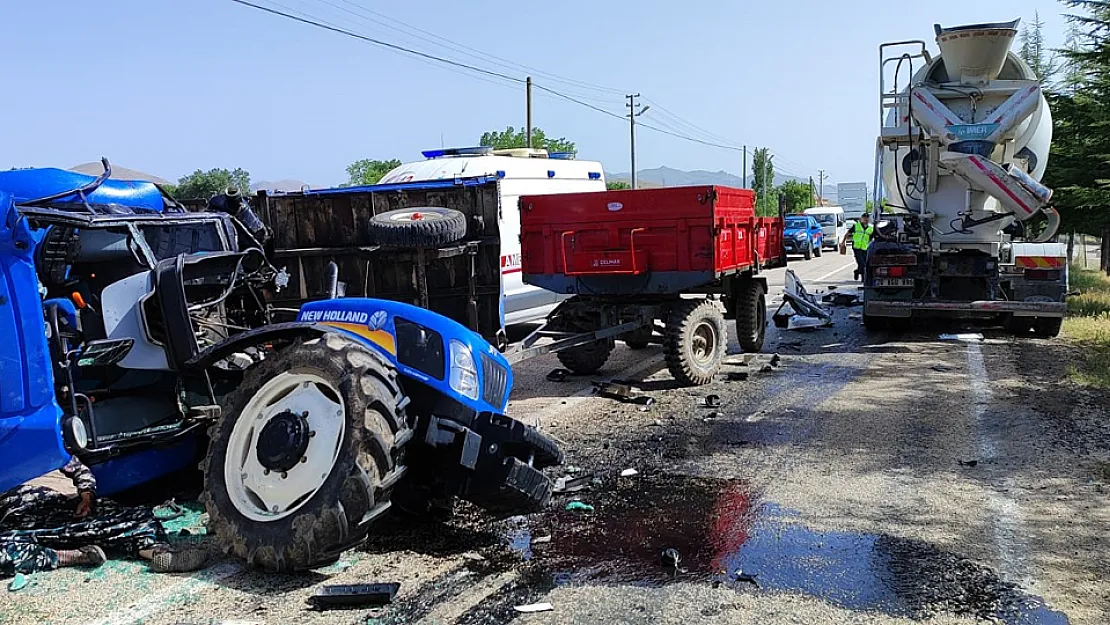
[138, 338]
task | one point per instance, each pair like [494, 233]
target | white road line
[833, 273]
[1005, 514]
[157, 601]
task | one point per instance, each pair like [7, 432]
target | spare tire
[418, 227]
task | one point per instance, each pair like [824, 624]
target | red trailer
[631, 259]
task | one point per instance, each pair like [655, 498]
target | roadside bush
[1088, 325]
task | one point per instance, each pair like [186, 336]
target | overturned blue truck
[143, 338]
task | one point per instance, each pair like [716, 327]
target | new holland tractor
[138, 337]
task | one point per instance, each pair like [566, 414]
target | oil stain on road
[724, 534]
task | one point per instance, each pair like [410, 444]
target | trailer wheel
[587, 359]
[751, 316]
[305, 454]
[1047, 327]
[695, 341]
[418, 227]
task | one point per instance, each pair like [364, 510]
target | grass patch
[1088, 325]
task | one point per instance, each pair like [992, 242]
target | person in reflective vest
[860, 235]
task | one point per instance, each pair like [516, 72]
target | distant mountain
[669, 177]
[279, 185]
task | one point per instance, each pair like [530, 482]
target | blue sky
[169, 86]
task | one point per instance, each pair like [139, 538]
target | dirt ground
[867, 478]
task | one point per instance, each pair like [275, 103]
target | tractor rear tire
[417, 227]
[751, 316]
[363, 454]
[587, 359]
[695, 341]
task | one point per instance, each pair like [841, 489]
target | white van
[832, 223]
[522, 171]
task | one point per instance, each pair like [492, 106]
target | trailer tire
[639, 339]
[695, 341]
[362, 452]
[751, 316]
[587, 359]
[1047, 327]
[417, 227]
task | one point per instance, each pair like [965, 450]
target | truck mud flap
[1018, 309]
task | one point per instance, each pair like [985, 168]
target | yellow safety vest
[861, 237]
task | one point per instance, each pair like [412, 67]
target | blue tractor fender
[30, 418]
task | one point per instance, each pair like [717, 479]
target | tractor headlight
[75, 434]
[464, 374]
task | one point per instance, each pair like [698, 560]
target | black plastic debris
[558, 375]
[670, 558]
[775, 360]
[712, 401]
[573, 484]
[737, 376]
[968, 463]
[345, 595]
[746, 578]
[842, 299]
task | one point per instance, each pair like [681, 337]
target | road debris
[541, 540]
[19, 582]
[842, 299]
[670, 558]
[737, 376]
[968, 463]
[534, 607]
[558, 375]
[354, 595]
[712, 401]
[579, 506]
[622, 391]
[569, 484]
[967, 336]
[629, 472]
[941, 368]
[746, 578]
[799, 309]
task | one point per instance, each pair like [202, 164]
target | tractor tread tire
[448, 227]
[586, 359]
[356, 492]
[684, 317]
[751, 316]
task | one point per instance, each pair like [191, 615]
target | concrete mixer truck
[967, 230]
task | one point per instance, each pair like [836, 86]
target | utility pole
[812, 189]
[634, 111]
[821, 194]
[745, 167]
[528, 96]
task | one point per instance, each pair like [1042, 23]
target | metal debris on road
[579, 506]
[534, 607]
[842, 299]
[968, 336]
[622, 391]
[573, 484]
[804, 310]
[354, 594]
[629, 472]
[558, 375]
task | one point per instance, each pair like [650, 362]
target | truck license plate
[902, 282]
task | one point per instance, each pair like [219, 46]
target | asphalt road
[865, 479]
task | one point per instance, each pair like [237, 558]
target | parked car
[803, 235]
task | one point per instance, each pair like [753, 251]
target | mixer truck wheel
[751, 316]
[418, 227]
[695, 341]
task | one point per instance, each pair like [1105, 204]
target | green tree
[798, 195]
[1043, 63]
[513, 138]
[201, 185]
[368, 171]
[617, 185]
[763, 182]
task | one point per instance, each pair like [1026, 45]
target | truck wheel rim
[264, 494]
[704, 343]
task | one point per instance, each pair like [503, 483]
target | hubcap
[283, 446]
[424, 215]
[704, 344]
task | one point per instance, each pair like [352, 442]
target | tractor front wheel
[305, 454]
